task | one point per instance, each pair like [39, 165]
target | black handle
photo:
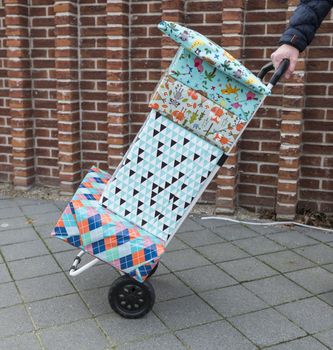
[283, 67]
[265, 69]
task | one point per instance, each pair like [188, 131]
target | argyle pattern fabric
[162, 173]
[87, 225]
[143, 271]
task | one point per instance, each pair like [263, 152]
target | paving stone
[96, 276]
[48, 218]
[65, 259]
[176, 244]
[58, 245]
[17, 236]
[328, 267]
[258, 245]
[45, 218]
[12, 212]
[161, 342]
[322, 236]
[200, 238]
[122, 330]
[320, 253]
[292, 239]
[33, 211]
[232, 301]
[7, 203]
[325, 337]
[27, 341]
[169, 287]
[44, 287]
[267, 327]
[33, 267]
[83, 335]
[45, 230]
[316, 280]
[311, 314]
[269, 229]
[286, 261]
[247, 269]
[185, 312]
[277, 290]
[176, 305]
[97, 300]
[14, 320]
[14, 223]
[237, 231]
[24, 250]
[217, 335]
[188, 226]
[206, 278]
[61, 204]
[4, 274]
[161, 270]
[21, 201]
[221, 252]
[307, 343]
[183, 259]
[327, 297]
[59, 310]
[9, 295]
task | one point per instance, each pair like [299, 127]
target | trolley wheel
[153, 270]
[130, 298]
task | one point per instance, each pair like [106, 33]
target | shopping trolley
[199, 109]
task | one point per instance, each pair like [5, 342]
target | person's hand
[285, 51]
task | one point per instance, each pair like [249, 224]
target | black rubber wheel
[130, 298]
[153, 270]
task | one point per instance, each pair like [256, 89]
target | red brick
[285, 211]
[309, 183]
[65, 7]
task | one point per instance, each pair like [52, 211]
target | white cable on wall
[265, 223]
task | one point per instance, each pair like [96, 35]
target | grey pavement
[220, 285]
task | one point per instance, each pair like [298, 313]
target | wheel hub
[131, 298]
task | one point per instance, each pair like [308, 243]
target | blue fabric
[305, 22]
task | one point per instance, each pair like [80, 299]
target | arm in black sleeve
[304, 23]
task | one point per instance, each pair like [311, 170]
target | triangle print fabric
[162, 173]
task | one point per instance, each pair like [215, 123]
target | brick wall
[76, 77]
[6, 169]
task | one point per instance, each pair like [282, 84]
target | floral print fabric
[206, 50]
[215, 85]
[196, 112]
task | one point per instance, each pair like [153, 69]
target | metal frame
[74, 271]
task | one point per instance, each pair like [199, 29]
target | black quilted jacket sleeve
[304, 23]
